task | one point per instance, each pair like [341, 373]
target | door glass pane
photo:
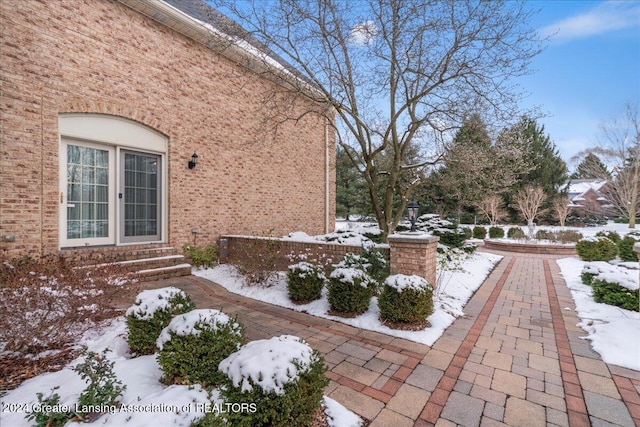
[140, 204]
[87, 180]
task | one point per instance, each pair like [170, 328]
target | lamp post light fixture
[194, 160]
[412, 212]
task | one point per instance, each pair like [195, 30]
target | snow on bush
[194, 343]
[151, 301]
[152, 312]
[611, 284]
[350, 291]
[596, 248]
[282, 377]
[406, 299]
[400, 282]
[268, 364]
[305, 282]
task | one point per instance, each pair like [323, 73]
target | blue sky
[588, 71]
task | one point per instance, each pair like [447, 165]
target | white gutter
[327, 191]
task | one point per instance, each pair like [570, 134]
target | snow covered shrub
[496, 232]
[596, 248]
[545, 235]
[279, 380]
[479, 232]
[152, 312]
[194, 343]
[376, 264]
[516, 233]
[612, 284]
[349, 291]
[625, 246]
[565, 236]
[370, 260]
[406, 299]
[592, 269]
[201, 256]
[614, 293]
[305, 282]
[47, 303]
[469, 248]
[453, 238]
[611, 235]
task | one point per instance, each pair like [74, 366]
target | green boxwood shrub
[281, 380]
[468, 233]
[625, 246]
[596, 248]
[615, 294]
[516, 233]
[370, 260]
[194, 343]
[469, 248]
[479, 232]
[453, 238]
[568, 236]
[496, 232]
[592, 269]
[305, 282]
[545, 235]
[406, 299]
[376, 264]
[611, 235]
[350, 291]
[151, 313]
[201, 256]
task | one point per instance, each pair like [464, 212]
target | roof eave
[198, 31]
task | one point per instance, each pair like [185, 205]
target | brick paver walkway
[516, 358]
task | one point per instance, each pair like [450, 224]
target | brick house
[103, 104]
[587, 196]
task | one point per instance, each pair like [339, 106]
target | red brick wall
[234, 249]
[99, 56]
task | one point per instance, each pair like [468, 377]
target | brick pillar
[412, 253]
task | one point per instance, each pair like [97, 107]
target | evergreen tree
[591, 167]
[351, 190]
[548, 169]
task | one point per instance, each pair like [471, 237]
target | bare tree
[396, 74]
[528, 201]
[561, 207]
[492, 207]
[620, 150]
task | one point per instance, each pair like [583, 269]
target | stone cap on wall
[412, 237]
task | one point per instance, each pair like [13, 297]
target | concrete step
[160, 273]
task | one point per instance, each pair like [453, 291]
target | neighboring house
[587, 196]
[104, 102]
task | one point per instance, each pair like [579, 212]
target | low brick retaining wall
[530, 248]
[282, 253]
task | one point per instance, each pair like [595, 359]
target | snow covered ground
[614, 332]
[146, 402]
[454, 289]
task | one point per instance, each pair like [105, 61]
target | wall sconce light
[194, 160]
[412, 212]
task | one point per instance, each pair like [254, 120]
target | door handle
[61, 197]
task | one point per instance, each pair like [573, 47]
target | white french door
[139, 196]
[87, 194]
[109, 195]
